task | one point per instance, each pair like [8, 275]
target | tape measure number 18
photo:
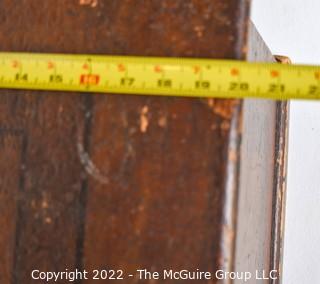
[158, 76]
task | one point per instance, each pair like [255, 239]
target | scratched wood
[122, 182]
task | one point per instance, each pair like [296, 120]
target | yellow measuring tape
[158, 76]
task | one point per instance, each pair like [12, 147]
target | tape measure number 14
[158, 76]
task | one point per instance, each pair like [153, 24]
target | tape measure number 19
[158, 76]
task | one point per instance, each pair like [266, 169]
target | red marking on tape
[89, 79]
[275, 74]
[235, 72]
[121, 68]
[196, 69]
[15, 64]
[158, 69]
[50, 65]
[86, 66]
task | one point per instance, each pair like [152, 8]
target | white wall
[292, 28]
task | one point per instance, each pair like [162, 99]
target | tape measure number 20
[158, 76]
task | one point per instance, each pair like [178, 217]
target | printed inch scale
[158, 76]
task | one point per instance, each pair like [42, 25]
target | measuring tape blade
[158, 76]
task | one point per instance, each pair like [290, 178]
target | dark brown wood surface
[116, 181]
[11, 145]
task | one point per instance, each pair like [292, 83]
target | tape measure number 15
[158, 76]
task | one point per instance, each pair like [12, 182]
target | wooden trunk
[129, 182]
